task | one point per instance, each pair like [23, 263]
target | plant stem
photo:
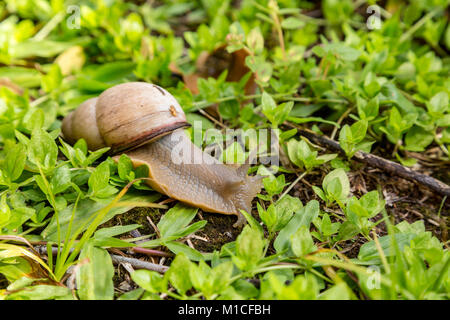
[277, 24]
[45, 31]
[292, 185]
[341, 118]
[418, 25]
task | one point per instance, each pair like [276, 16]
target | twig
[206, 114]
[151, 252]
[292, 185]
[384, 164]
[153, 226]
[45, 31]
[139, 264]
[342, 117]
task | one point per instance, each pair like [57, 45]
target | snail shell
[124, 117]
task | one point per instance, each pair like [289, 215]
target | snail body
[146, 122]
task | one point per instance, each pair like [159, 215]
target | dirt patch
[218, 231]
[136, 216]
[3, 282]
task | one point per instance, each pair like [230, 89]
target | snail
[147, 123]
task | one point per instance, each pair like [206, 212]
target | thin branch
[384, 164]
[116, 259]
[151, 252]
[139, 264]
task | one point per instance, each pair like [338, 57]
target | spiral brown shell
[124, 117]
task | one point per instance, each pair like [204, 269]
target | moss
[136, 216]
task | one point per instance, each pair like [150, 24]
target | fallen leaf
[72, 59]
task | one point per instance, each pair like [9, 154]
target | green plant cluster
[387, 86]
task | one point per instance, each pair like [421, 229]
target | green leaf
[339, 291]
[268, 216]
[210, 281]
[60, 180]
[99, 182]
[343, 52]
[372, 203]
[18, 217]
[42, 150]
[268, 103]
[326, 227]
[354, 206]
[303, 217]
[372, 85]
[44, 48]
[417, 139]
[292, 23]
[369, 252]
[193, 117]
[438, 104]
[100, 77]
[150, 281]
[274, 185]
[261, 68]
[176, 219]
[42, 292]
[24, 77]
[20, 283]
[115, 231]
[34, 120]
[124, 166]
[94, 155]
[15, 162]
[282, 112]
[99, 178]
[285, 208]
[245, 289]
[391, 92]
[5, 212]
[52, 80]
[178, 273]
[86, 210]
[319, 192]
[302, 242]
[351, 136]
[300, 153]
[255, 40]
[132, 295]
[320, 86]
[94, 276]
[359, 130]
[111, 242]
[178, 247]
[336, 184]
[346, 139]
[347, 231]
[249, 248]
[229, 109]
